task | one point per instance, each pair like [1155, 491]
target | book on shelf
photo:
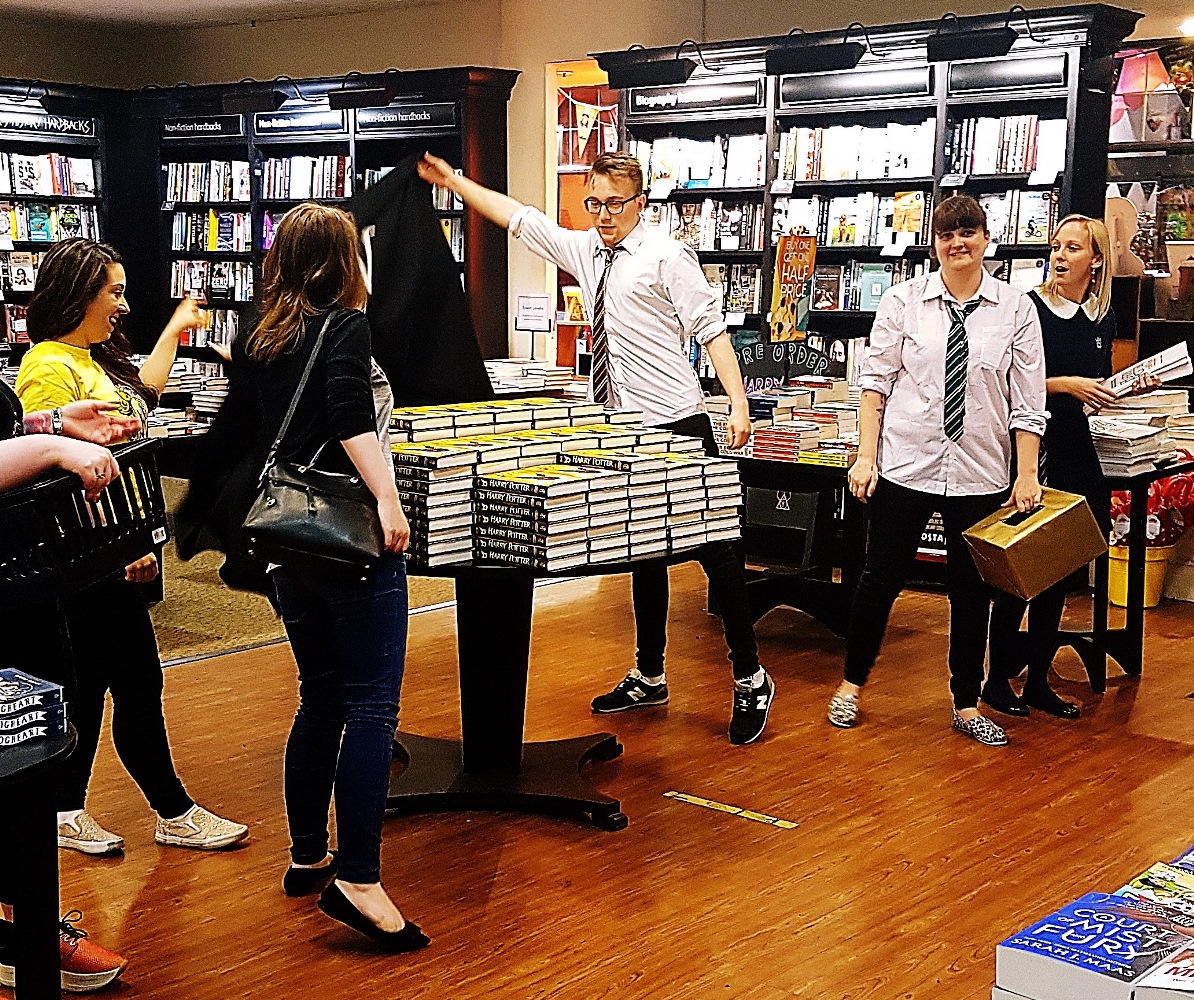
[15, 325]
[1010, 144]
[672, 162]
[857, 152]
[712, 224]
[737, 288]
[212, 231]
[47, 174]
[39, 222]
[208, 180]
[299, 178]
[859, 285]
[791, 293]
[216, 280]
[454, 233]
[864, 219]
[22, 270]
[874, 279]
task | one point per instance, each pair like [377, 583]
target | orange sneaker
[85, 965]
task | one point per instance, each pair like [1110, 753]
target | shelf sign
[41, 124]
[203, 127]
[298, 122]
[737, 94]
[406, 117]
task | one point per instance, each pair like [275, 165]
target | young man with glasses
[646, 295]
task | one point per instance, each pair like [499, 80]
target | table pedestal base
[549, 781]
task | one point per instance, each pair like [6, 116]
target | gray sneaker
[199, 829]
[84, 834]
[982, 729]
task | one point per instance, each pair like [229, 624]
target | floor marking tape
[758, 817]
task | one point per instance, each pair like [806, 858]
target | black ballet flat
[304, 881]
[1050, 702]
[336, 905]
[1003, 700]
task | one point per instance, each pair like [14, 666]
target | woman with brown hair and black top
[348, 635]
[79, 354]
[1078, 325]
[952, 381]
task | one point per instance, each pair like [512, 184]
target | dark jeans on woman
[898, 516]
[349, 640]
[1044, 621]
[113, 648]
[723, 565]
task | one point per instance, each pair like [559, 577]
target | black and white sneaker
[751, 708]
[632, 692]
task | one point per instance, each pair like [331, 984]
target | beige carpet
[200, 616]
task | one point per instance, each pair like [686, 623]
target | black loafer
[1051, 703]
[1003, 700]
[304, 881]
[336, 905]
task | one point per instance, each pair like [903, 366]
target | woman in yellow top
[79, 353]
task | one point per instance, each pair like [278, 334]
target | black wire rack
[54, 542]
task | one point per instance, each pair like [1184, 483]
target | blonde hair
[1100, 279]
[313, 265]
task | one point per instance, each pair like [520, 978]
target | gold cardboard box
[1026, 554]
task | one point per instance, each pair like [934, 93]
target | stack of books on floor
[1128, 448]
[525, 374]
[1134, 944]
[30, 708]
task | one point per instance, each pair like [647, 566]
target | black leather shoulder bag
[304, 517]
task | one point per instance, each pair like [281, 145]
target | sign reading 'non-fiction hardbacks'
[204, 127]
[721, 96]
[298, 122]
[406, 117]
[23, 123]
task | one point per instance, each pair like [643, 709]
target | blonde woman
[1078, 325]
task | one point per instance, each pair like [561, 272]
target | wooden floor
[917, 850]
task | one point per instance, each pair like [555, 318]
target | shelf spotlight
[949, 42]
[362, 96]
[791, 60]
[623, 73]
[251, 102]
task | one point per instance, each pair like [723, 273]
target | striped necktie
[957, 356]
[601, 393]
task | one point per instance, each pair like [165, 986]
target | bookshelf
[53, 185]
[305, 150]
[971, 125]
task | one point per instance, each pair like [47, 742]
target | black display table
[818, 591]
[490, 767]
[31, 828]
[1124, 645]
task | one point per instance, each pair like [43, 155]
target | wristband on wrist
[56, 420]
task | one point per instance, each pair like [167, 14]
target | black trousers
[723, 565]
[114, 649]
[898, 516]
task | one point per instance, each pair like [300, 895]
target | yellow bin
[1155, 565]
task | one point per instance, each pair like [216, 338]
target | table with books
[500, 494]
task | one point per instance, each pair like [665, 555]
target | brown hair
[313, 265]
[958, 212]
[70, 277]
[618, 165]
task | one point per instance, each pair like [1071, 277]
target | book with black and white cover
[1172, 979]
[33, 723]
[1171, 363]
[21, 691]
[434, 488]
[432, 456]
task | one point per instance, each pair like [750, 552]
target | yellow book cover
[791, 296]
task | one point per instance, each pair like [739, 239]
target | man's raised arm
[495, 206]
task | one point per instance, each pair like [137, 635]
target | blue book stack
[1096, 948]
[30, 708]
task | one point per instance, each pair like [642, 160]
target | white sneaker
[84, 834]
[199, 829]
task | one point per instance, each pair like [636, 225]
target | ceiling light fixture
[1187, 27]
[950, 42]
[790, 60]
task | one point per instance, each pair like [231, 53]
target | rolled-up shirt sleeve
[696, 305]
[1026, 377]
[884, 355]
[563, 247]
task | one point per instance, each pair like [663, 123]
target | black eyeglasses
[613, 205]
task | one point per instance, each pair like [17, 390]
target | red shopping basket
[54, 542]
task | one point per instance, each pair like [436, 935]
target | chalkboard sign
[769, 366]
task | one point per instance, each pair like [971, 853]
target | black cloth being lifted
[423, 337]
